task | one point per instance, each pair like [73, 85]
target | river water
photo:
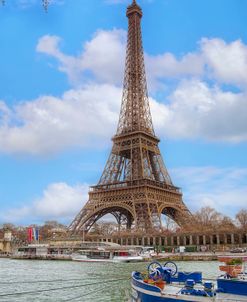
[53, 281]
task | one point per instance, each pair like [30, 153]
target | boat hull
[144, 292]
[235, 287]
[143, 295]
[91, 260]
[123, 259]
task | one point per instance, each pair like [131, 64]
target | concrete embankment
[192, 256]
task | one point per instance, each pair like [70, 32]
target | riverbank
[197, 256]
[186, 257]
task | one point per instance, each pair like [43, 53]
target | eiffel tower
[135, 186]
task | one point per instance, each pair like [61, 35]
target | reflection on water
[51, 281]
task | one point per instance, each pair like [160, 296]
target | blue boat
[164, 283]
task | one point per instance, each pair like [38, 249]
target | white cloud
[215, 59]
[168, 66]
[195, 110]
[221, 188]
[59, 201]
[88, 114]
[199, 111]
[226, 62]
[82, 117]
[88, 117]
[101, 60]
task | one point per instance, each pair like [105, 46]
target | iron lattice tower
[135, 185]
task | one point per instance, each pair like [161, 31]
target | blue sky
[60, 92]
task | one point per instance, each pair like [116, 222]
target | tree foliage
[208, 219]
[241, 219]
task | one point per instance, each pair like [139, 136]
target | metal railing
[135, 183]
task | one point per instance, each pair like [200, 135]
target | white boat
[41, 252]
[102, 255]
[148, 253]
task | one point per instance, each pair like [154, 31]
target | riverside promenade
[193, 256]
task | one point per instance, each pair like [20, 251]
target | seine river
[50, 281]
